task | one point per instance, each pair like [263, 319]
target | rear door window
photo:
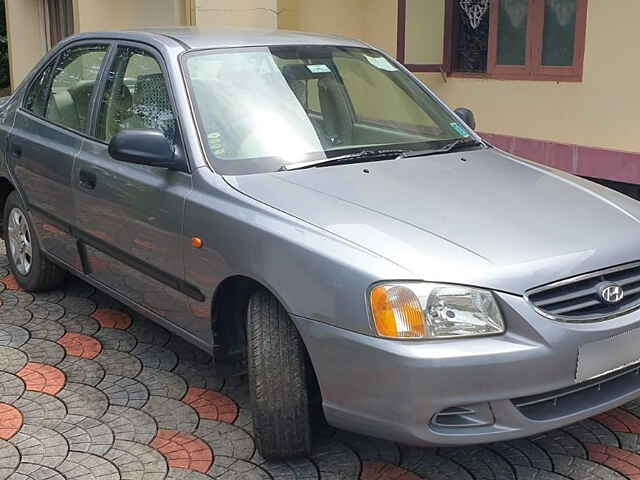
[74, 80]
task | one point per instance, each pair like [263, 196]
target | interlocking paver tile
[10, 421]
[183, 450]
[109, 318]
[40, 445]
[79, 345]
[211, 405]
[39, 377]
[11, 387]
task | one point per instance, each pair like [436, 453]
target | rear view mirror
[467, 117]
[144, 147]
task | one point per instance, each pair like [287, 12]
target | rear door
[48, 133]
[130, 216]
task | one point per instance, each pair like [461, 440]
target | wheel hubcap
[20, 244]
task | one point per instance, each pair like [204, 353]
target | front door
[46, 138]
[129, 216]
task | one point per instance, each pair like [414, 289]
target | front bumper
[518, 384]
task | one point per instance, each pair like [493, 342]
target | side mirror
[467, 117]
[144, 147]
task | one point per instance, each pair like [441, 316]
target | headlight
[432, 311]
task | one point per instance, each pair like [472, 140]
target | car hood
[480, 218]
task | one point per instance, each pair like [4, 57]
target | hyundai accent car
[305, 209]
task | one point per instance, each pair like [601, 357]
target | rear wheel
[277, 380]
[32, 270]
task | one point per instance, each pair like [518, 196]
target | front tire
[277, 380]
[32, 270]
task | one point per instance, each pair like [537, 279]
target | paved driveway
[88, 391]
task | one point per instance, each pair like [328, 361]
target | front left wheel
[32, 270]
[277, 380]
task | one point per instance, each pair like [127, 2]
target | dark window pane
[37, 96]
[472, 44]
[559, 32]
[512, 32]
[74, 79]
[135, 96]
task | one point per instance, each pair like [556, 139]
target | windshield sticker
[319, 68]
[460, 130]
[215, 143]
[381, 63]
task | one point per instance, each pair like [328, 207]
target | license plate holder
[608, 355]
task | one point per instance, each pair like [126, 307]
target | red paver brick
[622, 461]
[385, 471]
[10, 421]
[211, 405]
[39, 377]
[108, 318]
[183, 450]
[620, 420]
[11, 283]
[78, 345]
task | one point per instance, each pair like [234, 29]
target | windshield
[263, 108]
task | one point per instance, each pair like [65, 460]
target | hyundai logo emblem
[611, 293]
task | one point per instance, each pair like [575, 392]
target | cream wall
[601, 111]
[27, 41]
[93, 15]
[236, 13]
[424, 32]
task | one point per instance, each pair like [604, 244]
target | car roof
[194, 38]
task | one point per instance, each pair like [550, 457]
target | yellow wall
[236, 13]
[95, 15]
[27, 41]
[424, 34]
[601, 111]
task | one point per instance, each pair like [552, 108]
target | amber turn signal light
[196, 242]
[397, 312]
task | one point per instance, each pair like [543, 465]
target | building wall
[236, 13]
[601, 111]
[27, 41]
[95, 15]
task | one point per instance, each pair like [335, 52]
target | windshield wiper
[450, 147]
[361, 156]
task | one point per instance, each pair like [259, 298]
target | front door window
[136, 96]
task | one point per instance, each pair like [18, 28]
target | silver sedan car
[306, 210]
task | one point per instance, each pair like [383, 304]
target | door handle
[16, 150]
[88, 180]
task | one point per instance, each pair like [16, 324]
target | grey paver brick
[43, 351]
[40, 445]
[9, 459]
[13, 336]
[227, 440]
[41, 409]
[162, 383]
[85, 434]
[84, 400]
[11, 387]
[82, 370]
[137, 462]
[154, 356]
[171, 414]
[114, 339]
[119, 363]
[130, 424]
[124, 391]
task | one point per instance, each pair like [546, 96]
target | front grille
[577, 299]
[569, 401]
